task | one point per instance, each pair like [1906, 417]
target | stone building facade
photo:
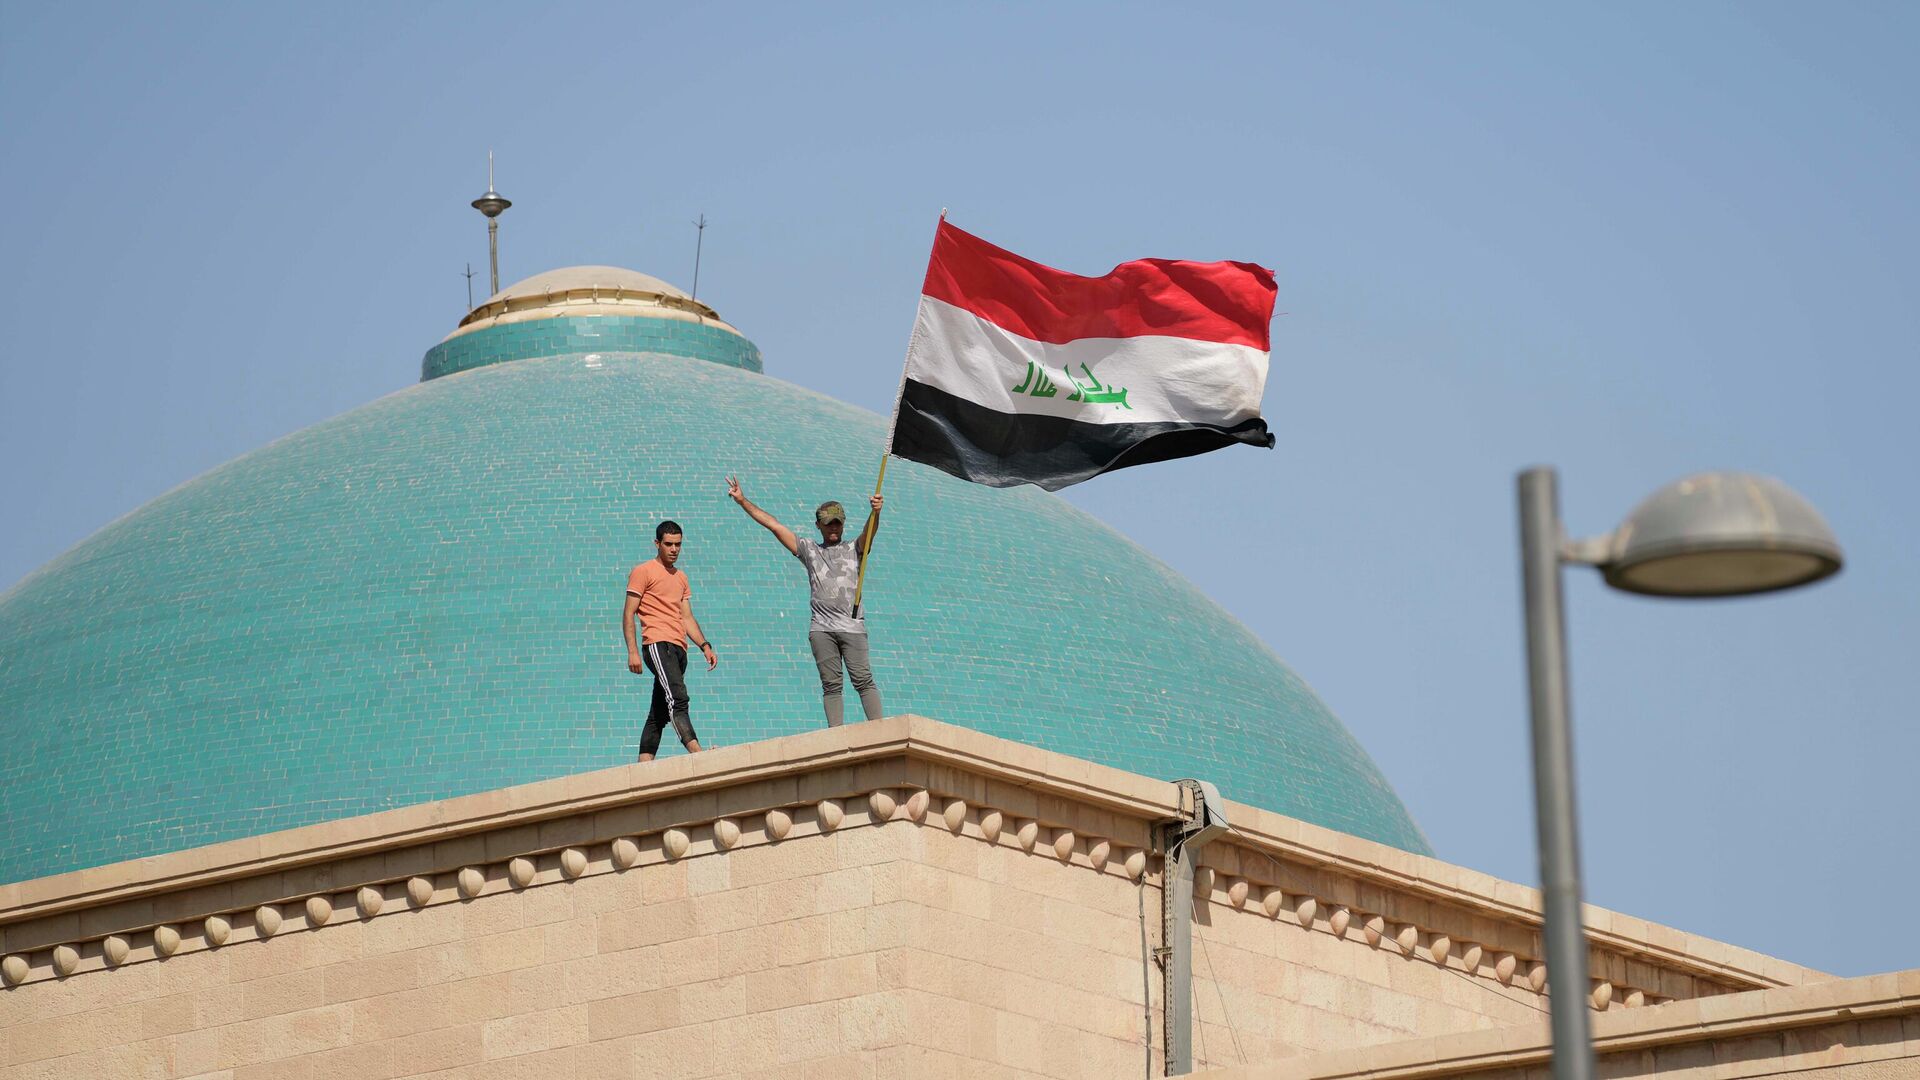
[900, 898]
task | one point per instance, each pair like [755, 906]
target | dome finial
[492, 204]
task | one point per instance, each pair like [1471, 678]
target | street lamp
[1715, 534]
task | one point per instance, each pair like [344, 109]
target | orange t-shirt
[663, 597]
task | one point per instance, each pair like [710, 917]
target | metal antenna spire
[492, 204]
[699, 241]
[469, 286]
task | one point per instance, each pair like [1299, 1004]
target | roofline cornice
[1325, 879]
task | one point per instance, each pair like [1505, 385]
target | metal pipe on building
[1177, 973]
[1203, 820]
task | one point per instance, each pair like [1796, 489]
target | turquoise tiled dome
[420, 599]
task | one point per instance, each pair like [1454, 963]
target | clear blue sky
[1634, 241]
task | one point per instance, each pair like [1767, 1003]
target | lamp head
[1721, 534]
[492, 203]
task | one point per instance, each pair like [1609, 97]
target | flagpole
[893, 423]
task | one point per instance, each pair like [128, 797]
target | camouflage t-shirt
[832, 572]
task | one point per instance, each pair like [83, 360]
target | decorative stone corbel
[419, 891]
[674, 843]
[1028, 834]
[319, 910]
[990, 824]
[1305, 910]
[1063, 845]
[1470, 957]
[470, 881]
[520, 871]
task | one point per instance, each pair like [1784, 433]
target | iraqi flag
[1022, 374]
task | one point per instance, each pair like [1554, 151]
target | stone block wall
[1844, 1029]
[900, 898]
[864, 951]
[769, 957]
[1267, 988]
[869, 950]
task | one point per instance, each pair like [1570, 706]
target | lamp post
[1715, 534]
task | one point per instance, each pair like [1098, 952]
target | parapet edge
[1323, 871]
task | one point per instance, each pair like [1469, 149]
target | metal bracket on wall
[1203, 819]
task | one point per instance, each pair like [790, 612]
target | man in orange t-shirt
[660, 594]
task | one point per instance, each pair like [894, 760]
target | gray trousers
[830, 651]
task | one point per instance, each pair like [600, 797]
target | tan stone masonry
[1855, 1028]
[863, 901]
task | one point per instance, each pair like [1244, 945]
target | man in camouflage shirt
[837, 634]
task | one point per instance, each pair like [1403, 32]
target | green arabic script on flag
[1040, 384]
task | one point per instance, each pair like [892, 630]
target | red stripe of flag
[1227, 302]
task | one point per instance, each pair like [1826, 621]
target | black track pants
[668, 663]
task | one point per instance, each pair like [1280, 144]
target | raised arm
[865, 543]
[768, 521]
[634, 663]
